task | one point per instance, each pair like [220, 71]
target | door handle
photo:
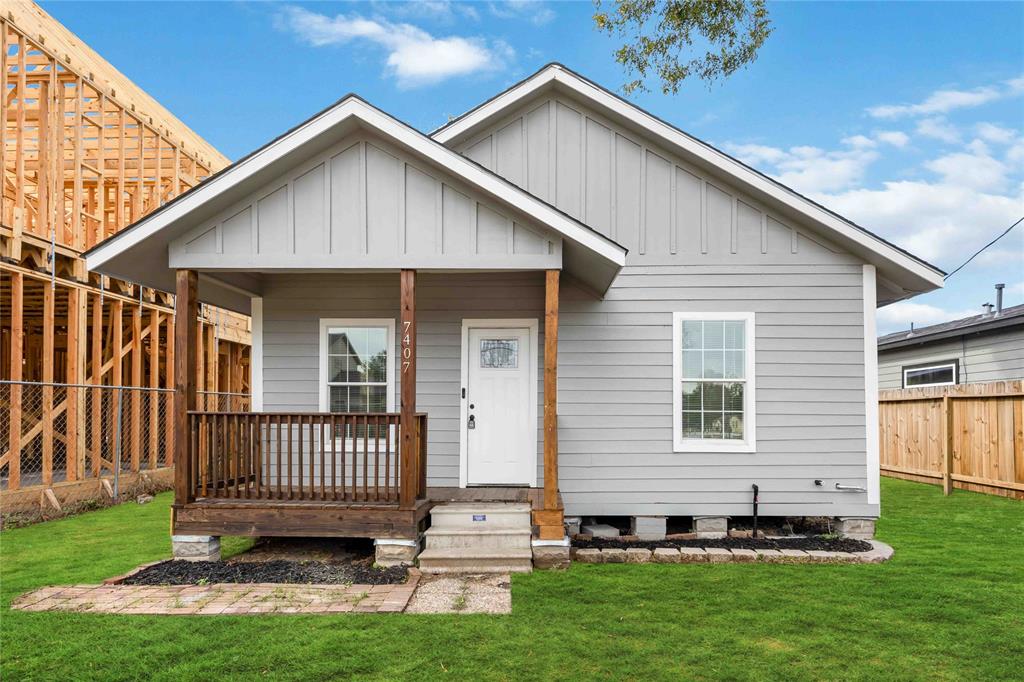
[472, 422]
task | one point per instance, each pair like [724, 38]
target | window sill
[709, 446]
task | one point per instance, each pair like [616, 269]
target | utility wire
[976, 253]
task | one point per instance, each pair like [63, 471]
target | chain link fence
[222, 401]
[51, 433]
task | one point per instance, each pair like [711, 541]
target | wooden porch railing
[349, 458]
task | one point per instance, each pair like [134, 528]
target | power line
[1005, 232]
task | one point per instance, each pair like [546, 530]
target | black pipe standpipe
[755, 509]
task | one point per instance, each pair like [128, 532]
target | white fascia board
[692, 146]
[354, 107]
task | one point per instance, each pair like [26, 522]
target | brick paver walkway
[235, 599]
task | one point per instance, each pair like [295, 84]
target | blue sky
[905, 117]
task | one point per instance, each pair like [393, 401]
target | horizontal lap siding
[615, 395]
[994, 356]
[697, 242]
[294, 304]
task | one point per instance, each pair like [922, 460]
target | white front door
[500, 406]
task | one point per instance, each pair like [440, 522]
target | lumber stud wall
[969, 436]
[78, 164]
[84, 153]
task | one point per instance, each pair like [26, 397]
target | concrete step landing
[462, 560]
[478, 538]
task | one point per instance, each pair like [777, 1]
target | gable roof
[982, 322]
[120, 254]
[900, 272]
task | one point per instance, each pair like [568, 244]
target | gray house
[977, 349]
[557, 304]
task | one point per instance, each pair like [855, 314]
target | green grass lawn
[950, 605]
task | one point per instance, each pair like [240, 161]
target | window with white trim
[356, 365]
[938, 374]
[713, 373]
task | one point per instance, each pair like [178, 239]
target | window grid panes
[357, 370]
[714, 379]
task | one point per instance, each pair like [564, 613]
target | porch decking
[311, 518]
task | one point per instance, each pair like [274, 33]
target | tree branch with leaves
[667, 38]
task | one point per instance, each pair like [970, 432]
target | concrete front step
[478, 538]
[463, 560]
[483, 516]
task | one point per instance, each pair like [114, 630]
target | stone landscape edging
[878, 553]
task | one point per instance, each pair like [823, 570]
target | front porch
[333, 474]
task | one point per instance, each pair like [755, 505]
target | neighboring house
[594, 313]
[972, 350]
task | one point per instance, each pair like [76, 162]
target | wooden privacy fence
[969, 437]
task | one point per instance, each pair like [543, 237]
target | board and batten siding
[365, 204]
[990, 356]
[696, 244]
[294, 304]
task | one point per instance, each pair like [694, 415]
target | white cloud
[976, 170]
[893, 137]
[436, 10]
[756, 154]
[944, 101]
[859, 141]
[414, 56]
[994, 133]
[812, 170]
[898, 316]
[939, 129]
[1015, 289]
[538, 13]
[1015, 154]
[941, 222]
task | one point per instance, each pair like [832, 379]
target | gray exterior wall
[696, 244]
[989, 356]
[293, 305]
[365, 204]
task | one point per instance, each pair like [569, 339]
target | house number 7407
[406, 346]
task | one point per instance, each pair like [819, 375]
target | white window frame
[326, 324]
[952, 364]
[749, 442]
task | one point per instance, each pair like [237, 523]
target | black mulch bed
[276, 571]
[811, 542]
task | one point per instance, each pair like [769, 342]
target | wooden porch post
[550, 519]
[186, 337]
[407, 367]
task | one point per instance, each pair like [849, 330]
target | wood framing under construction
[85, 153]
